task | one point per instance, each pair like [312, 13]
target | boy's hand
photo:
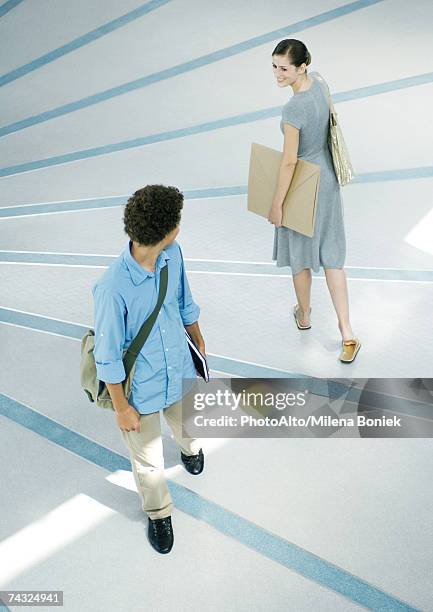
[197, 338]
[128, 419]
[127, 416]
[201, 348]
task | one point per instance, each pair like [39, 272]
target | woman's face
[284, 72]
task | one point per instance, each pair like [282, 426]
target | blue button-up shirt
[123, 299]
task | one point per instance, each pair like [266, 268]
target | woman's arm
[287, 169]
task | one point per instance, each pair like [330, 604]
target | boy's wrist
[117, 394]
[121, 407]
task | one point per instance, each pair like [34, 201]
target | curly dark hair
[152, 213]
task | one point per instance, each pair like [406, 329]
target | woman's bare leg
[302, 283]
[337, 285]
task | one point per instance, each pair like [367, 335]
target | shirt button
[169, 367]
[166, 350]
[163, 331]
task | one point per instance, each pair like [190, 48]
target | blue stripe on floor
[142, 141]
[3, 607]
[381, 88]
[191, 194]
[327, 388]
[51, 207]
[8, 6]
[37, 209]
[64, 260]
[395, 175]
[187, 66]
[175, 134]
[37, 322]
[85, 39]
[223, 520]
[344, 96]
[384, 274]
[236, 367]
[77, 331]
[217, 266]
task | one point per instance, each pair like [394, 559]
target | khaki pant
[147, 459]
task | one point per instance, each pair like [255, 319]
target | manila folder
[300, 203]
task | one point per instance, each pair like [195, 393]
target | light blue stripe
[35, 209]
[352, 272]
[65, 260]
[190, 194]
[8, 6]
[236, 367]
[200, 128]
[85, 39]
[344, 96]
[220, 266]
[52, 207]
[327, 388]
[395, 175]
[3, 607]
[61, 435]
[37, 322]
[214, 192]
[230, 524]
[75, 330]
[140, 142]
[187, 66]
[380, 88]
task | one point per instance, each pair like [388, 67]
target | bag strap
[333, 114]
[138, 342]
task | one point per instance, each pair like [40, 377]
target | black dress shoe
[193, 463]
[160, 533]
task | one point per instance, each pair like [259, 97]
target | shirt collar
[137, 272]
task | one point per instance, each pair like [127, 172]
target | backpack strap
[138, 342]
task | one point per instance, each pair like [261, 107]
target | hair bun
[295, 50]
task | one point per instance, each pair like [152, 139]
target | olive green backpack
[96, 390]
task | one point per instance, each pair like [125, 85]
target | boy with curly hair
[123, 298]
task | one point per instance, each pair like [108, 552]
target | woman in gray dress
[305, 125]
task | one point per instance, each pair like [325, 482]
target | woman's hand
[276, 215]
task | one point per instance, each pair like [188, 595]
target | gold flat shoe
[350, 350]
[295, 314]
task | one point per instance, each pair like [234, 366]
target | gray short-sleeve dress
[309, 112]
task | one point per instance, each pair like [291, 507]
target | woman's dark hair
[295, 50]
[152, 213]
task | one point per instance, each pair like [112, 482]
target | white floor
[362, 505]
